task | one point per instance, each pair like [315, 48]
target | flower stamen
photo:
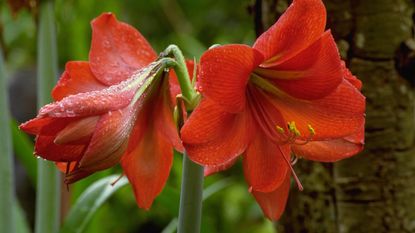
[294, 159]
[293, 134]
[297, 180]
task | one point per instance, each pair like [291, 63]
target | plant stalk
[191, 197]
[190, 212]
[189, 93]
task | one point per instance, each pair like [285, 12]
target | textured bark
[373, 192]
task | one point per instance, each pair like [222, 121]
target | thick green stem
[190, 212]
[188, 92]
[48, 186]
[6, 164]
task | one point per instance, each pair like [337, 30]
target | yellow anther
[293, 128]
[311, 130]
[280, 129]
[293, 134]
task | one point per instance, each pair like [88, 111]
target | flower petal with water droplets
[224, 74]
[300, 25]
[47, 149]
[213, 136]
[117, 50]
[317, 70]
[147, 163]
[77, 78]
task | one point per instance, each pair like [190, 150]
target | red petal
[98, 102]
[213, 137]
[92, 103]
[337, 115]
[111, 131]
[110, 160]
[264, 165]
[350, 77]
[147, 163]
[224, 74]
[311, 74]
[210, 170]
[331, 150]
[163, 116]
[77, 78]
[117, 50]
[76, 132]
[45, 125]
[301, 24]
[47, 149]
[273, 203]
[63, 166]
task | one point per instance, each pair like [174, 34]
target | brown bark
[373, 192]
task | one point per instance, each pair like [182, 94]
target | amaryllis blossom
[289, 92]
[116, 107]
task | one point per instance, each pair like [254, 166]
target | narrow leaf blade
[89, 202]
[23, 149]
[6, 164]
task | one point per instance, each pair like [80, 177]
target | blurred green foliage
[193, 26]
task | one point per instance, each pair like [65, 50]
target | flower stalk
[189, 93]
[190, 212]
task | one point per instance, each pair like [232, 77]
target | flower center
[265, 85]
[293, 135]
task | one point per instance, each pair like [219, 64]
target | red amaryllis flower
[116, 107]
[289, 92]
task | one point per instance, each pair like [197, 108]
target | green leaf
[6, 165]
[171, 227]
[89, 202]
[23, 149]
[216, 187]
[49, 178]
[21, 224]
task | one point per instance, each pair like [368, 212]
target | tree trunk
[373, 192]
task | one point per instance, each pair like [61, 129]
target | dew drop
[107, 44]
[70, 113]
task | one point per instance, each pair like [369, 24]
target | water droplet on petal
[107, 44]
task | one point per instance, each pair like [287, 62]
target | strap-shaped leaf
[89, 202]
[6, 160]
[20, 220]
[23, 149]
[49, 178]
